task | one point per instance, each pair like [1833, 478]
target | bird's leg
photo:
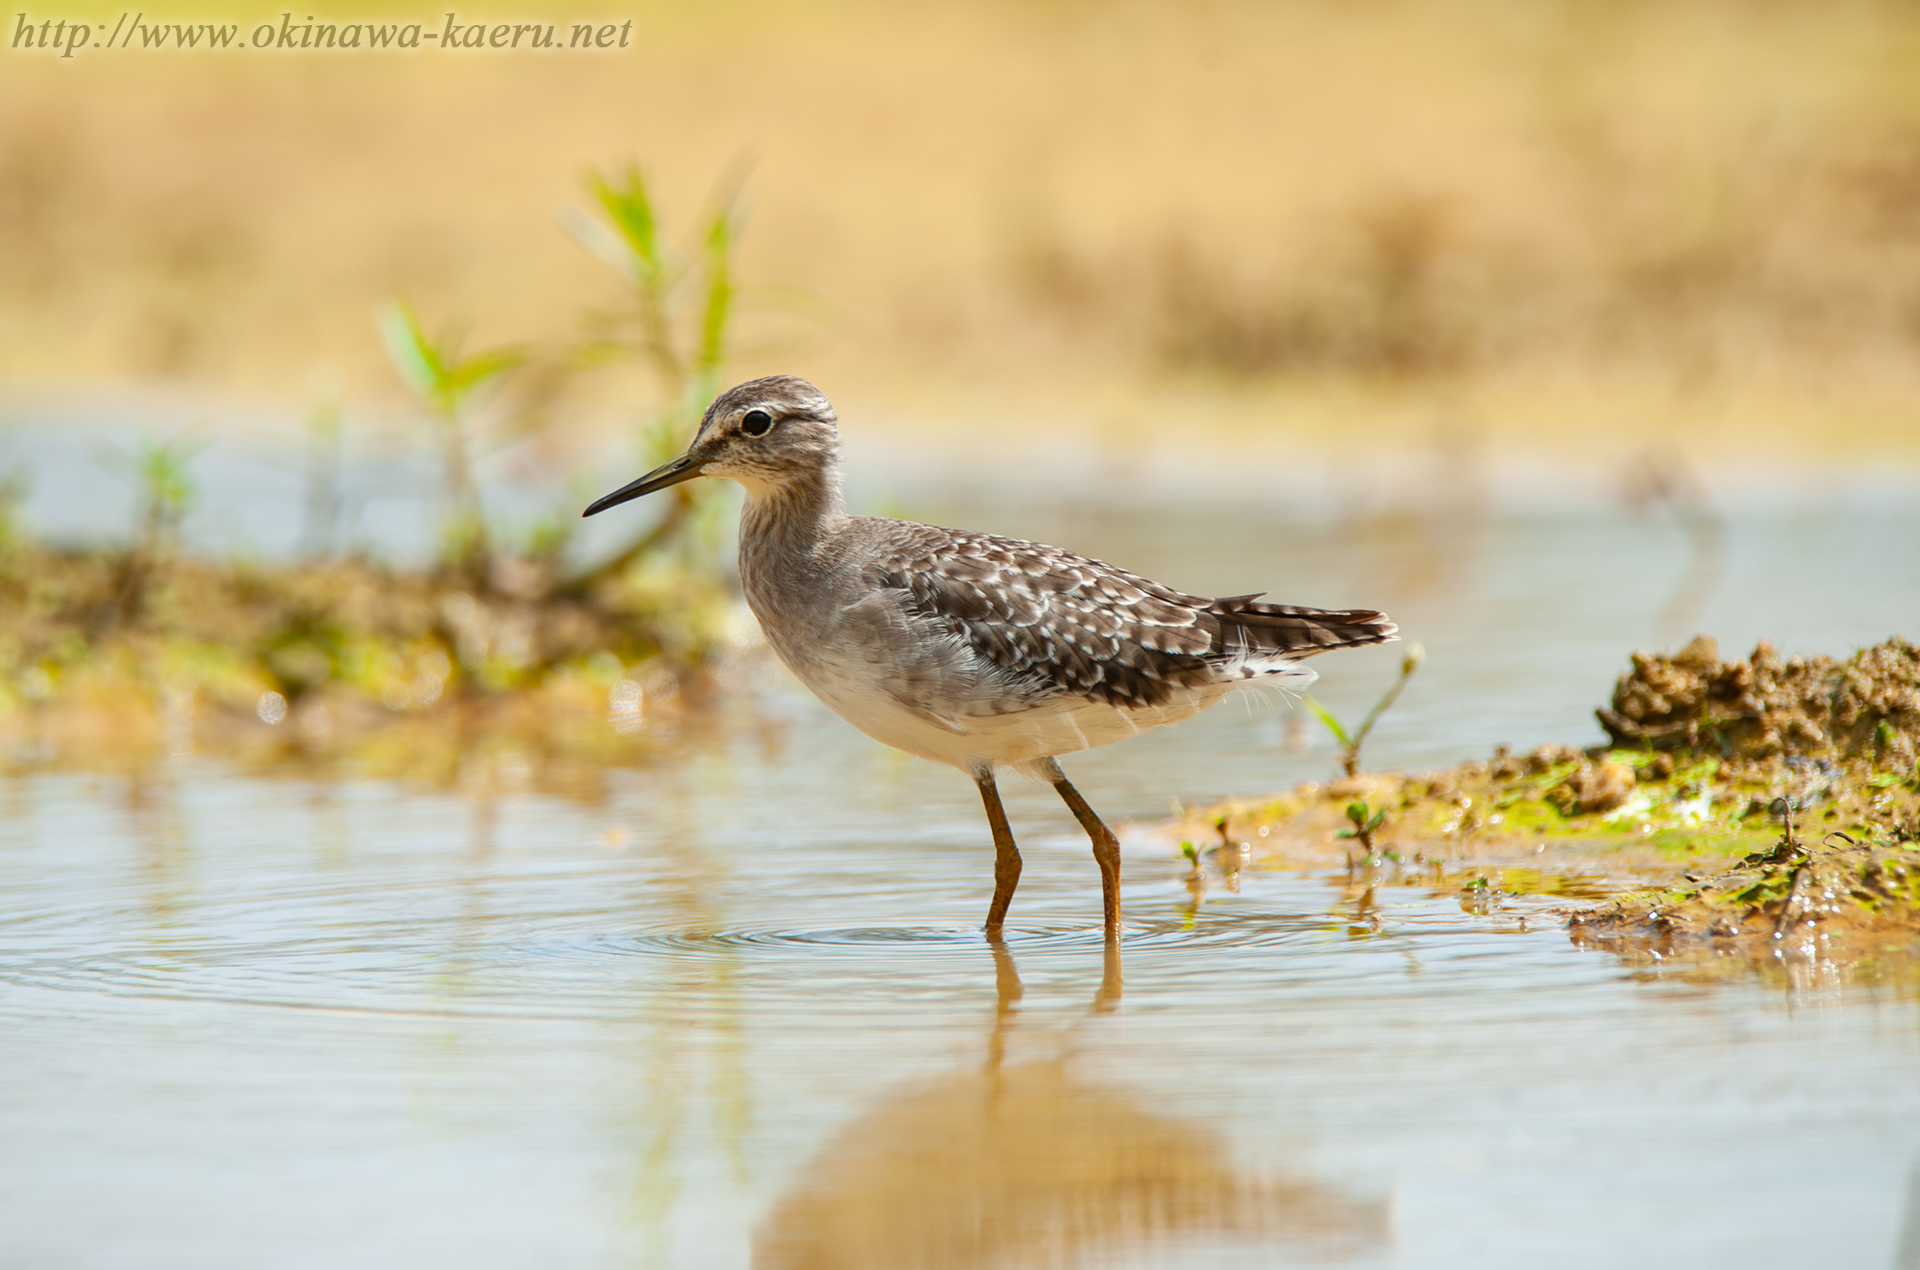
[1006, 854]
[1106, 847]
[1108, 996]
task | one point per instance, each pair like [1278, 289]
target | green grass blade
[477, 370]
[630, 209]
[1325, 716]
[420, 364]
[718, 254]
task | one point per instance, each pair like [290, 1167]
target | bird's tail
[1261, 635]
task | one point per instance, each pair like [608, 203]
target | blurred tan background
[1574, 227]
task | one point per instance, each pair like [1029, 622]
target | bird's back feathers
[1060, 622]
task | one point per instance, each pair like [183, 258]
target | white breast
[1002, 738]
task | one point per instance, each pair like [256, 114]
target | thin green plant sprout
[678, 326]
[320, 519]
[1351, 742]
[166, 492]
[13, 493]
[1365, 821]
[451, 387]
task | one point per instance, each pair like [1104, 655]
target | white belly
[1059, 725]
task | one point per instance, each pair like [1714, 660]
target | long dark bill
[681, 469]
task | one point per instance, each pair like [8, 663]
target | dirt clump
[1866, 707]
[1593, 787]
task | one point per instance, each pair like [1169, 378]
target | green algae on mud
[1765, 810]
[1843, 903]
[113, 658]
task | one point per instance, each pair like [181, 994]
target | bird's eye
[757, 423]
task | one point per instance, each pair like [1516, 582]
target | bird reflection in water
[1029, 1164]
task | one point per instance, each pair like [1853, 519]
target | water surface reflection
[1034, 1164]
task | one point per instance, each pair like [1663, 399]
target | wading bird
[969, 649]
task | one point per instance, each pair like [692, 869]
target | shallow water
[303, 1022]
[733, 1008]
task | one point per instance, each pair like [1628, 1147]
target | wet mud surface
[1767, 813]
[120, 654]
[1850, 906]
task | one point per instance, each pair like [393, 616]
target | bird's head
[766, 434]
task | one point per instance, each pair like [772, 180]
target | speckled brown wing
[1057, 622]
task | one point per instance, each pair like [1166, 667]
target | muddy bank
[1767, 809]
[118, 657]
[1843, 902]
[1841, 737]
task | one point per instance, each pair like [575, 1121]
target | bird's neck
[784, 520]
